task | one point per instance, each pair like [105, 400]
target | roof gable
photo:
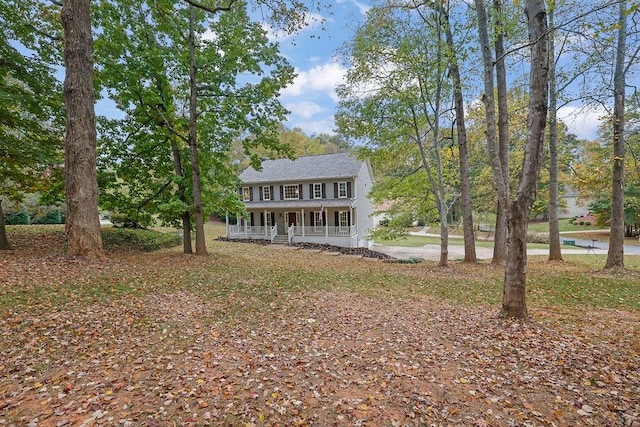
[325, 166]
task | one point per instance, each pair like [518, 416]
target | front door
[292, 218]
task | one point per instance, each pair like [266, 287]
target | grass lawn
[257, 335]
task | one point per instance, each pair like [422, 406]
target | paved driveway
[432, 252]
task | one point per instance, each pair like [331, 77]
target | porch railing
[273, 232]
[323, 230]
[290, 232]
[252, 230]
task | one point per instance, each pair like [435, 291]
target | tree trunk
[500, 236]
[555, 254]
[615, 256]
[81, 186]
[515, 278]
[444, 239]
[514, 302]
[201, 247]
[501, 186]
[4, 242]
[463, 151]
[186, 216]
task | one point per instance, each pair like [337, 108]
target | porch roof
[300, 204]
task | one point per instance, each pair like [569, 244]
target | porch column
[302, 222]
[352, 219]
[246, 228]
[326, 226]
[266, 232]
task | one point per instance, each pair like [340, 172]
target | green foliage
[50, 215]
[118, 239]
[124, 220]
[144, 162]
[17, 217]
[31, 120]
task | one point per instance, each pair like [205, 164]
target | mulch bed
[317, 246]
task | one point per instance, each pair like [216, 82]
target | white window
[317, 191]
[291, 192]
[317, 223]
[246, 194]
[266, 193]
[268, 218]
[343, 220]
[342, 190]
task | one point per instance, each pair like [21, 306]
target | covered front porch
[331, 222]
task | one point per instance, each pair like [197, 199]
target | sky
[311, 97]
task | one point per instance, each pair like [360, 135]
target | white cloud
[304, 109]
[319, 78]
[315, 127]
[582, 122]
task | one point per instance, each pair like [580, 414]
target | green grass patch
[116, 239]
[563, 224]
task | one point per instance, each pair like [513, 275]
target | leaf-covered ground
[249, 335]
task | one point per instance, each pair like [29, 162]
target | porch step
[280, 240]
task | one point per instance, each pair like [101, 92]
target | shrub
[117, 239]
[19, 217]
[124, 221]
[49, 215]
[587, 223]
[538, 238]
[581, 223]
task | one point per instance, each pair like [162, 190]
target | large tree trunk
[500, 236]
[463, 151]
[515, 278]
[615, 256]
[555, 254]
[81, 185]
[4, 242]
[186, 216]
[201, 247]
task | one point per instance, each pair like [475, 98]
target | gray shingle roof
[325, 166]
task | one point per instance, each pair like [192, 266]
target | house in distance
[315, 199]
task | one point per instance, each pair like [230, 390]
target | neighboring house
[315, 199]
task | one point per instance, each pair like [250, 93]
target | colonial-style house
[315, 199]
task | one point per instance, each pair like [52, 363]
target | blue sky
[311, 98]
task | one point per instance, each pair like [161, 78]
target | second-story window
[266, 192]
[342, 190]
[317, 191]
[246, 194]
[291, 192]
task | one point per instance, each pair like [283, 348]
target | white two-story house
[315, 199]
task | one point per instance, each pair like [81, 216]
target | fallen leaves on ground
[183, 355]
